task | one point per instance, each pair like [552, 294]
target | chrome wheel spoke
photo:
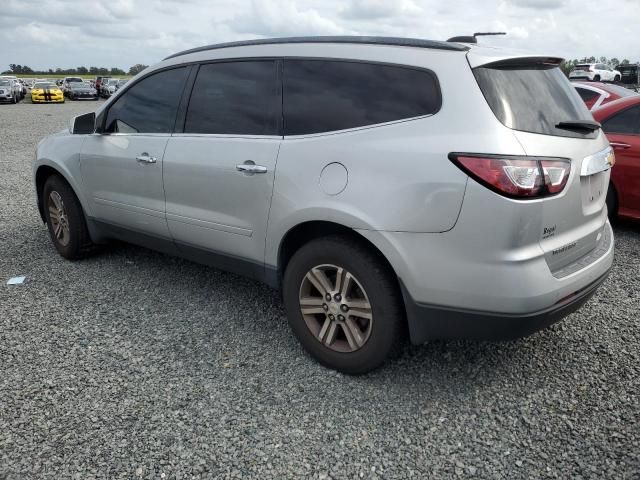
[360, 313]
[331, 334]
[57, 232]
[319, 280]
[325, 328]
[346, 283]
[353, 334]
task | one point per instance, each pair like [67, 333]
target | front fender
[61, 152]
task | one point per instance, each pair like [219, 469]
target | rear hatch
[533, 98]
[580, 69]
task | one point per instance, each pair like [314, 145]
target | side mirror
[83, 124]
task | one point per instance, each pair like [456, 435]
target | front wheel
[65, 219]
[616, 78]
[343, 304]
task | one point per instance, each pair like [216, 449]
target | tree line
[569, 65]
[26, 70]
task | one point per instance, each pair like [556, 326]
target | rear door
[532, 97]
[122, 166]
[219, 168]
[623, 130]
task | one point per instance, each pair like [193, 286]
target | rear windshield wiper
[581, 125]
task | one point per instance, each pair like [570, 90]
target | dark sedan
[81, 91]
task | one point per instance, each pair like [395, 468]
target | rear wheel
[343, 304]
[596, 78]
[616, 78]
[65, 219]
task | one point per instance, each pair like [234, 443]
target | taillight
[514, 176]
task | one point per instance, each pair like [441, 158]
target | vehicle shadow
[182, 314]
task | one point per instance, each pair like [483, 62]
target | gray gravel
[132, 364]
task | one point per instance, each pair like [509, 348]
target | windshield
[4, 83]
[74, 79]
[44, 85]
[533, 99]
[78, 85]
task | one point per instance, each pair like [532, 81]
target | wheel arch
[42, 173]
[305, 232]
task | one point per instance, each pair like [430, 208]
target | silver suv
[388, 186]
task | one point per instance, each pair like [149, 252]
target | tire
[14, 100]
[73, 242]
[596, 78]
[371, 282]
[612, 202]
[616, 78]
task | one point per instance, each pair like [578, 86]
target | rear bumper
[431, 322]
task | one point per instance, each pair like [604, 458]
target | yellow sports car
[46, 92]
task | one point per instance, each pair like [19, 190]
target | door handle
[146, 158]
[619, 145]
[251, 168]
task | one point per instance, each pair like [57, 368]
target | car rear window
[587, 95]
[621, 91]
[533, 98]
[329, 95]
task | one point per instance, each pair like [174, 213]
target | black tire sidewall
[75, 216]
[388, 315]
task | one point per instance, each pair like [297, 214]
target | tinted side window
[149, 106]
[324, 95]
[627, 121]
[235, 98]
[587, 95]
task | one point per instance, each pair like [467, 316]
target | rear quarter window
[329, 95]
[532, 98]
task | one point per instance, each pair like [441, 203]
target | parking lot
[132, 364]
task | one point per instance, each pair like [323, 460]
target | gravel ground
[132, 364]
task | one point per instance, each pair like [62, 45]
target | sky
[119, 33]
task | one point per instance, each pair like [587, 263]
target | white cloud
[125, 32]
[378, 9]
[266, 18]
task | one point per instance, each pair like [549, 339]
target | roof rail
[395, 41]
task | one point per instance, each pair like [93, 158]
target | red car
[620, 120]
[596, 94]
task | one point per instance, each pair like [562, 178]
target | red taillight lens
[516, 177]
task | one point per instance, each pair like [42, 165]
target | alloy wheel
[336, 308]
[59, 218]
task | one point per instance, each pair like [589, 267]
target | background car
[10, 90]
[630, 74]
[621, 122]
[596, 72]
[67, 80]
[46, 92]
[108, 88]
[121, 83]
[81, 91]
[98, 81]
[596, 94]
